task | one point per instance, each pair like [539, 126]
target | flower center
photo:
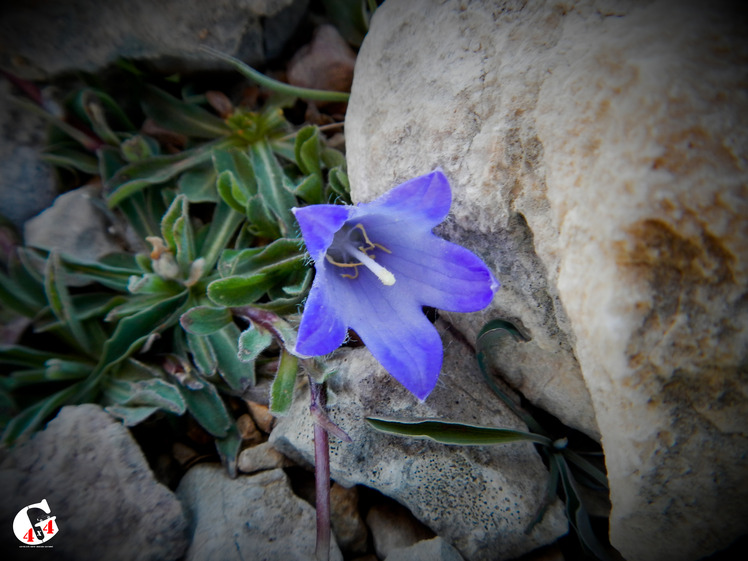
[351, 249]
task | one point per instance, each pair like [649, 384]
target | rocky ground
[597, 156]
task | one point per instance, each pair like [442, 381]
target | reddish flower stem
[321, 472]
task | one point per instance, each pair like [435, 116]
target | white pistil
[387, 278]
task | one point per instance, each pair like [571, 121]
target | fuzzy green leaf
[208, 409]
[199, 184]
[273, 185]
[131, 416]
[252, 342]
[203, 354]
[281, 392]
[239, 291]
[204, 320]
[237, 374]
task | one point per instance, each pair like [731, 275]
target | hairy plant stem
[321, 471]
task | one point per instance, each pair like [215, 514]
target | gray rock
[27, 185]
[88, 35]
[597, 152]
[261, 457]
[98, 485]
[481, 499]
[74, 225]
[435, 549]
[251, 518]
[394, 527]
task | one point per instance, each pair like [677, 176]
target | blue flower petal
[425, 199]
[394, 329]
[318, 226]
[322, 329]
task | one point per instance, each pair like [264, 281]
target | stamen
[387, 278]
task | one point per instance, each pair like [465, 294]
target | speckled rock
[480, 499]
[98, 485]
[597, 152]
[250, 518]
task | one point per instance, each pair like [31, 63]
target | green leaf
[110, 162]
[152, 392]
[307, 150]
[173, 213]
[208, 409]
[19, 294]
[455, 433]
[260, 219]
[239, 291]
[203, 354]
[252, 342]
[61, 369]
[275, 85]
[487, 336]
[61, 303]
[184, 239]
[283, 256]
[179, 116]
[70, 158]
[577, 513]
[236, 178]
[31, 418]
[237, 374]
[310, 189]
[228, 449]
[222, 228]
[199, 184]
[204, 320]
[138, 148]
[337, 179]
[281, 392]
[274, 187]
[134, 177]
[19, 355]
[134, 330]
[131, 416]
[230, 192]
[90, 103]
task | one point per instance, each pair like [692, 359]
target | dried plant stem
[321, 472]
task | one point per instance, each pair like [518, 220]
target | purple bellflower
[377, 264]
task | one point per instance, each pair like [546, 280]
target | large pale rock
[429, 97]
[250, 518]
[598, 154]
[88, 35]
[481, 499]
[98, 485]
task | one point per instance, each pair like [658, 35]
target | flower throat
[350, 250]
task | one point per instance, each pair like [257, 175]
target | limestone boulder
[598, 153]
[99, 487]
[480, 499]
